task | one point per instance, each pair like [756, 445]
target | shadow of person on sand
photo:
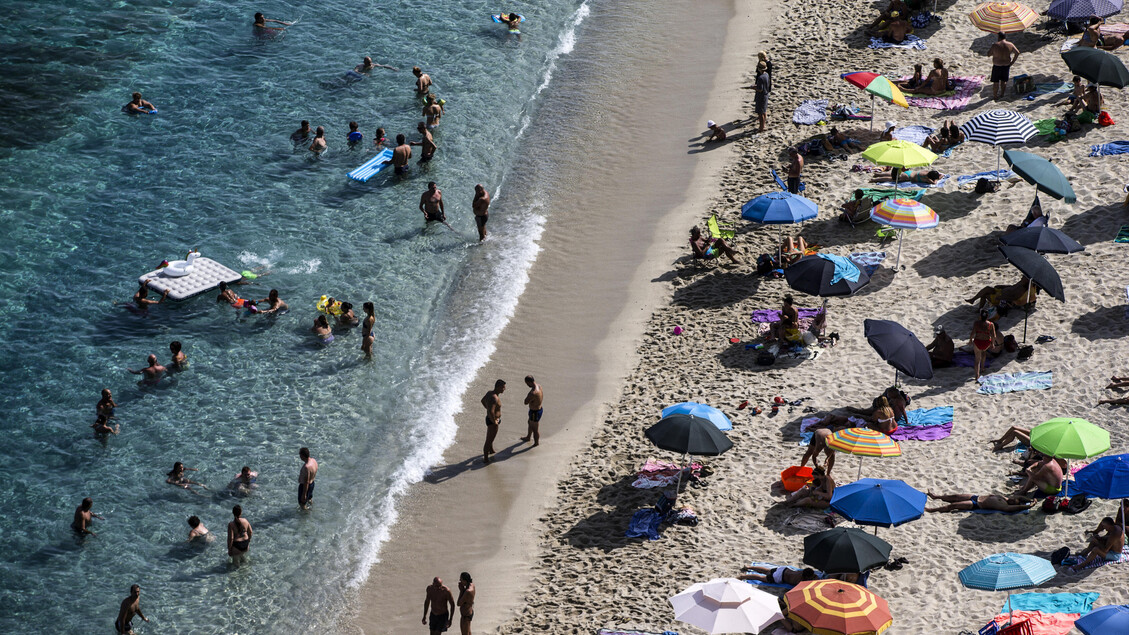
[451, 470]
[736, 356]
[1106, 323]
[717, 289]
[989, 528]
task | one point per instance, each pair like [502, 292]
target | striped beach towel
[940, 183]
[911, 42]
[810, 112]
[1000, 383]
[913, 134]
[1070, 561]
[990, 174]
[963, 90]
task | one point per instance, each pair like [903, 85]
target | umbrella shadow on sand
[956, 204]
[736, 356]
[1097, 224]
[718, 288]
[604, 529]
[988, 528]
[1025, 41]
[960, 259]
[882, 278]
[1105, 323]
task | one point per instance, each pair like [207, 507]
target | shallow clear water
[92, 198]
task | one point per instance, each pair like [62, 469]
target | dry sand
[589, 576]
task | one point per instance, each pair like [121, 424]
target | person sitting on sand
[884, 420]
[1021, 293]
[1106, 546]
[936, 83]
[778, 575]
[816, 494]
[1092, 101]
[858, 209]
[787, 328]
[1014, 433]
[1047, 475]
[708, 248]
[716, 133]
[982, 337]
[915, 81]
[1093, 37]
[837, 139]
[895, 7]
[941, 349]
[971, 502]
[947, 137]
[920, 177]
[897, 29]
[1033, 213]
[888, 132]
[1077, 91]
[894, 396]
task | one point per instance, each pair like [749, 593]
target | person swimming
[322, 330]
[244, 482]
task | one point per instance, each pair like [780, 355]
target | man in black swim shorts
[438, 605]
[481, 207]
[534, 401]
[401, 154]
[130, 606]
[431, 204]
[492, 401]
[1003, 54]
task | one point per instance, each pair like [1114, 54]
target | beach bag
[1050, 505]
[1025, 353]
[1077, 504]
[766, 264]
[1104, 119]
[765, 358]
[985, 185]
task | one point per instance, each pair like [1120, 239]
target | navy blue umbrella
[825, 275]
[1077, 10]
[1043, 239]
[1038, 271]
[899, 347]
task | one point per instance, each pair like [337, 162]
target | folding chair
[715, 229]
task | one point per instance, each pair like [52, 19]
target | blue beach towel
[940, 183]
[911, 42]
[868, 261]
[1113, 147]
[1000, 383]
[843, 268]
[1053, 87]
[949, 150]
[913, 134]
[1052, 602]
[929, 416]
[645, 522]
[992, 174]
[810, 112]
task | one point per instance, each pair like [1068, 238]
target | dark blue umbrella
[1107, 477]
[1038, 271]
[899, 347]
[1043, 239]
[1098, 66]
[1076, 10]
[1105, 620]
[825, 275]
[777, 208]
[1041, 173]
[879, 502]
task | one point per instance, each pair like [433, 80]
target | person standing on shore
[401, 154]
[481, 207]
[1003, 54]
[130, 606]
[306, 478]
[795, 167]
[82, 517]
[465, 602]
[423, 81]
[534, 400]
[492, 401]
[763, 86]
[438, 605]
[238, 536]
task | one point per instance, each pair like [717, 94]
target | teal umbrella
[1041, 173]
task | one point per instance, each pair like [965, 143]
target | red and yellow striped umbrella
[1002, 17]
[832, 607]
[864, 442]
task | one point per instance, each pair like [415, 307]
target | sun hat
[710, 124]
[891, 124]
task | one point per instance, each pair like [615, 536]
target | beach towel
[878, 195]
[990, 174]
[772, 315]
[819, 575]
[1053, 87]
[949, 150]
[911, 42]
[929, 416]
[807, 423]
[661, 474]
[868, 261]
[608, 631]
[844, 268]
[1052, 602]
[1122, 236]
[811, 521]
[996, 511]
[913, 134]
[1047, 128]
[963, 90]
[1113, 147]
[841, 111]
[968, 360]
[925, 424]
[940, 183]
[810, 112]
[1041, 623]
[1000, 383]
[1070, 561]
[645, 522]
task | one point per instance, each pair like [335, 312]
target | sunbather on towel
[970, 502]
[792, 249]
[923, 177]
[788, 328]
[837, 139]
[777, 575]
[816, 494]
[1019, 294]
[936, 83]
[896, 7]
[1014, 433]
[913, 82]
[709, 248]
[897, 399]
[1107, 546]
[1046, 475]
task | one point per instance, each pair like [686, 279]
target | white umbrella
[997, 127]
[726, 605]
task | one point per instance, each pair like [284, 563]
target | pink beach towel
[965, 88]
[660, 474]
[1042, 623]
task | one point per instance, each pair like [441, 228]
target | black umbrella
[845, 550]
[1047, 240]
[813, 275]
[899, 347]
[688, 434]
[1098, 66]
[1038, 272]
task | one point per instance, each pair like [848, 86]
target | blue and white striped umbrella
[1077, 10]
[1007, 571]
[714, 415]
[997, 127]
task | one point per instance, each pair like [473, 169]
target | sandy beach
[558, 562]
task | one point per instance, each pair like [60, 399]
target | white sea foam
[565, 45]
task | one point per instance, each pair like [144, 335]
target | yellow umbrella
[832, 607]
[1002, 17]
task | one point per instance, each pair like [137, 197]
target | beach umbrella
[997, 127]
[1003, 17]
[777, 208]
[1043, 239]
[726, 605]
[899, 153]
[864, 442]
[903, 214]
[1066, 438]
[1044, 175]
[1006, 571]
[1078, 10]
[688, 434]
[1038, 271]
[878, 502]
[1107, 477]
[1098, 66]
[899, 347]
[825, 275]
[832, 607]
[1105, 620]
[715, 416]
[845, 550]
[876, 85]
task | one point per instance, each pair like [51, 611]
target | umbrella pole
[898, 264]
[1009, 607]
[872, 113]
[1026, 311]
[998, 179]
[678, 483]
[860, 468]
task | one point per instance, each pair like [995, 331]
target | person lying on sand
[777, 575]
[708, 248]
[837, 139]
[936, 83]
[1092, 37]
[1046, 475]
[921, 177]
[1019, 294]
[816, 494]
[941, 349]
[792, 249]
[1107, 546]
[970, 502]
[1014, 433]
[1116, 401]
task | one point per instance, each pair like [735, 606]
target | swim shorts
[437, 623]
[975, 500]
[128, 627]
[535, 415]
[480, 221]
[439, 216]
[1000, 73]
[401, 169]
[794, 184]
[778, 575]
[425, 158]
[489, 422]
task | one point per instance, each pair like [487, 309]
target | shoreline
[498, 538]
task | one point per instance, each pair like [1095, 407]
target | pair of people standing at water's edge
[492, 401]
[438, 605]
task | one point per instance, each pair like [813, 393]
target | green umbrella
[899, 154]
[1041, 173]
[1067, 438]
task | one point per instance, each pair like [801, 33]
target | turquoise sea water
[92, 198]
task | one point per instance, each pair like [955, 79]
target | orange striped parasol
[833, 607]
[1002, 17]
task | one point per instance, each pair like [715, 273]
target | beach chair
[1022, 627]
[715, 229]
[780, 182]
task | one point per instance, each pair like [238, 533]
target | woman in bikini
[177, 477]
[884, 420]
[936, 83]
[982, 337]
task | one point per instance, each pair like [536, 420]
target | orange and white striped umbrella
[1002, 17]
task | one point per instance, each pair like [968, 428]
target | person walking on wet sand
[1003, 54]
[238, 535]
[465, 602]
[130, 606]
[763, 86]
[481, 207]
[534, 400]
[438, 605]
[492, 401]
[306, 478]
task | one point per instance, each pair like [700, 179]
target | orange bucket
[795, 477]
